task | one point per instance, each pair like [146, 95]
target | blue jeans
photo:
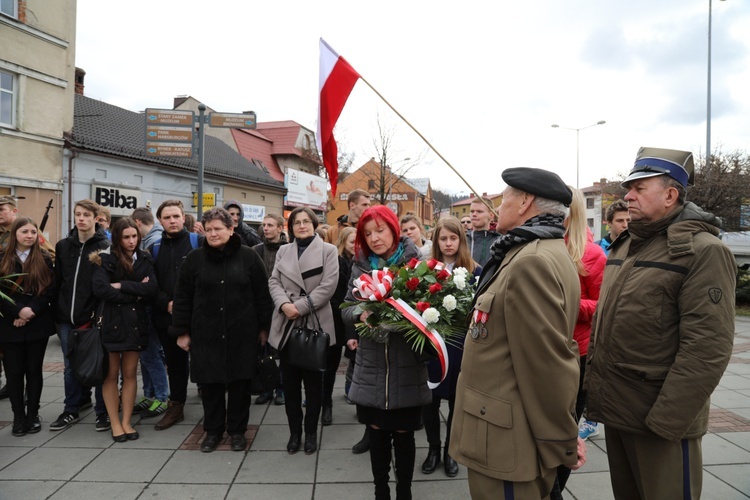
[153, 370]
[75, 392]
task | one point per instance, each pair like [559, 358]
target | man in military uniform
[663, 332]
[515, 405]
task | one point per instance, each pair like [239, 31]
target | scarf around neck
[377, 262]
[540, 227]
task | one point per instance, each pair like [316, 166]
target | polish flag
[337, 79]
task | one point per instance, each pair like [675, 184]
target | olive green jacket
[664, 327]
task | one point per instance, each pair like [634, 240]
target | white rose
[449, 302]
[431, 315]
[461, 271]
[460, 282]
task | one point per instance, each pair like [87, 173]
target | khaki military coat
[515, 401]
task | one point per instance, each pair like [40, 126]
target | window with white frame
[7, 98]
[9, 7]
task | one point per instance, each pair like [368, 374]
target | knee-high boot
[380, 461]
[405, 452]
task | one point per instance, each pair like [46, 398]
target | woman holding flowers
[389, 384]
[449, 245]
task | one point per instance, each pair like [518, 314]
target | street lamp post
[708, 91]
[578, 149]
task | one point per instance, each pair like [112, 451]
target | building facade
[401, 195]
[37, 83]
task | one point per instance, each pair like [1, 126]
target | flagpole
[491, 208]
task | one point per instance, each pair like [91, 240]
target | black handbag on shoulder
[88, 358]
[307, 346]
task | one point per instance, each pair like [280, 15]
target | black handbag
[307, 347]
[88, 358]
[267, 376]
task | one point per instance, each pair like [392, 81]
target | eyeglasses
[299, 223]
[465, 222]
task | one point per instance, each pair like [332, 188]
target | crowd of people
[564, 332]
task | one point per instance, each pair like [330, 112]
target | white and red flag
[337, 79]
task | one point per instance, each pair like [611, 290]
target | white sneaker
[588, 429]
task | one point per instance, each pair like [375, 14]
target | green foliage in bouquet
[7, 283]
[443, 299]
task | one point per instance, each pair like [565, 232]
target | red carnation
[443, 274]
[435, 288]
[432, 263]
[413, 263]
[423, 306]
[412, 283]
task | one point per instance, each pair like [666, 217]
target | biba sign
[118, 201]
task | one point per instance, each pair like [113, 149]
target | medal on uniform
[474, 331]
[478, 329]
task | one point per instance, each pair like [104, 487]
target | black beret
[538, 182]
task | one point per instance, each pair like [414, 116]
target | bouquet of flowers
[422, 300]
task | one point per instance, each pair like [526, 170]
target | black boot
[431, 462]
[405, 451]
[364, 444]
[380, 461]
[451, 467]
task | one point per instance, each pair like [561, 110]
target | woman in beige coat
[306, 272]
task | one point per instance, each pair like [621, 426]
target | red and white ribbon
[375, 286]
[434, 337]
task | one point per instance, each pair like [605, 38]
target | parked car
[739, 244]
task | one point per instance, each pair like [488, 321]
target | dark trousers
[23, 362]
[329, 377]
[563, 472]
[231, 414]
[431, 417]
[178, 367]
[293, 379]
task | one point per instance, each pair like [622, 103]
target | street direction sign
[232, 120]
[169, 149]
[169, 134]
[169, 117]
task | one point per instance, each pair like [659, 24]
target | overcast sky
[483, 84]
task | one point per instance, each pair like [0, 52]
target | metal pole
[578, 155]
[201, 158]
[708, 93]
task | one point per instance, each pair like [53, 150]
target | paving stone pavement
[79, 463]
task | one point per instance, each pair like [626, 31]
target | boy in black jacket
[75, 306]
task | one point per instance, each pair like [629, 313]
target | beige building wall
[38, 49]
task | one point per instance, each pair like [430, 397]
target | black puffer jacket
[75, 299]
[125, 323]
[387, 376]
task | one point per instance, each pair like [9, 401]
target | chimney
[179, 100]
[484, 195]
[80, 75]
[471, 195]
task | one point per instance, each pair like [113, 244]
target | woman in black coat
[124, 281]
[26, 325]
[221, 313]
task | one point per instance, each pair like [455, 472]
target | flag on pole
[337, 79]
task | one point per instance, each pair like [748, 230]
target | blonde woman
[589, 260]
[413, 228]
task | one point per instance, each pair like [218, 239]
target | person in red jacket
[590, 260]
